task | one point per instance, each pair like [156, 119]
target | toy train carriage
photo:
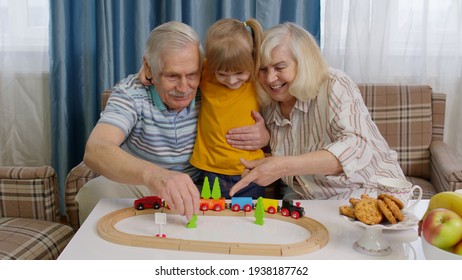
[270, 205]
[147, 202]
[244, 203]
[212, 204]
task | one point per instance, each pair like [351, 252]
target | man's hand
[178, 190]
[251, 137]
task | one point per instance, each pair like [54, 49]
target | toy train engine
[148, 202]
[238, 203]
[295, 211]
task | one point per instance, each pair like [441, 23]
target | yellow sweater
[222, 109]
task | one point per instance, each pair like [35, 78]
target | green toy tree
[216, 190]
[259, 212]
[205, 193]
[193, 222]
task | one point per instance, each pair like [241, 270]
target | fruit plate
[434, 253]
[409, 222]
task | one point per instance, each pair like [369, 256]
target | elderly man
[143, 141]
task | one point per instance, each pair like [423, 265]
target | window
[24, 35]
[24, 25]
[25, 137]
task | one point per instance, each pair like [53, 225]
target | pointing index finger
[244, 182]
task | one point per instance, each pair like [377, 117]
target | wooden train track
[319, 236]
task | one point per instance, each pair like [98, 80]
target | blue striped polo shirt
[153, 133]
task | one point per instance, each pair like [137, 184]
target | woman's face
[276, 76]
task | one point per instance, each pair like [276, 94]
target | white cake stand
[372, 242]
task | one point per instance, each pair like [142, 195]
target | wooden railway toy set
[217, 206]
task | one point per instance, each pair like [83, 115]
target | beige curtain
[24, 83]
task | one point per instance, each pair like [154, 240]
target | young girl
[228, 96]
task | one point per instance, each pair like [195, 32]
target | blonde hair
[166, 39]
[312, 70]
[230, 47]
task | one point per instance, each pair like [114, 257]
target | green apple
[442, 228]
[458, 248]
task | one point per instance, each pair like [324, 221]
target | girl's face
[233, 80]
[276, 77]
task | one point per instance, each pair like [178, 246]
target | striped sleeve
[351, 125]
[120, 109]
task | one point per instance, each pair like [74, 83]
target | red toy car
[148, 202]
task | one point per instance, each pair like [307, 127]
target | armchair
[30, 226]
[77, 178]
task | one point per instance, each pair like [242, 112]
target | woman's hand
[267, 170]
[261, 171]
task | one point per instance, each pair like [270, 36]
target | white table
[88, 245]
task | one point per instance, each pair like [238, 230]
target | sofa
[411, 119]
[30, 220]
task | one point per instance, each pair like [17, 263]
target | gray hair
[168, 38]
[312, 70]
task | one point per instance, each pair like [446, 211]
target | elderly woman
[324, 143]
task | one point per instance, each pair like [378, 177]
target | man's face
[178, 81]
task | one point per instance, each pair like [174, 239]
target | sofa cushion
[29, 192]
[403, 115]
[26, 239]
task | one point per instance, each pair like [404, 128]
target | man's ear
[146, 69]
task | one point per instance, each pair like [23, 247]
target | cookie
[394, 208]
[365, 196]
[367, 211]
[348, 211]
[398, 202]
[386, 211]
[353, 200]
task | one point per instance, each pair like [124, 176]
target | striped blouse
[338, 121]
[153, 132]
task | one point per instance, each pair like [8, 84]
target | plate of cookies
[385, 212]
[376, 214]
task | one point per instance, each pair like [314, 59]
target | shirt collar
[302, 105]
[275, 115]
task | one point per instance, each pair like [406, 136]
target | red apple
[458, 248]
[442, 228]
